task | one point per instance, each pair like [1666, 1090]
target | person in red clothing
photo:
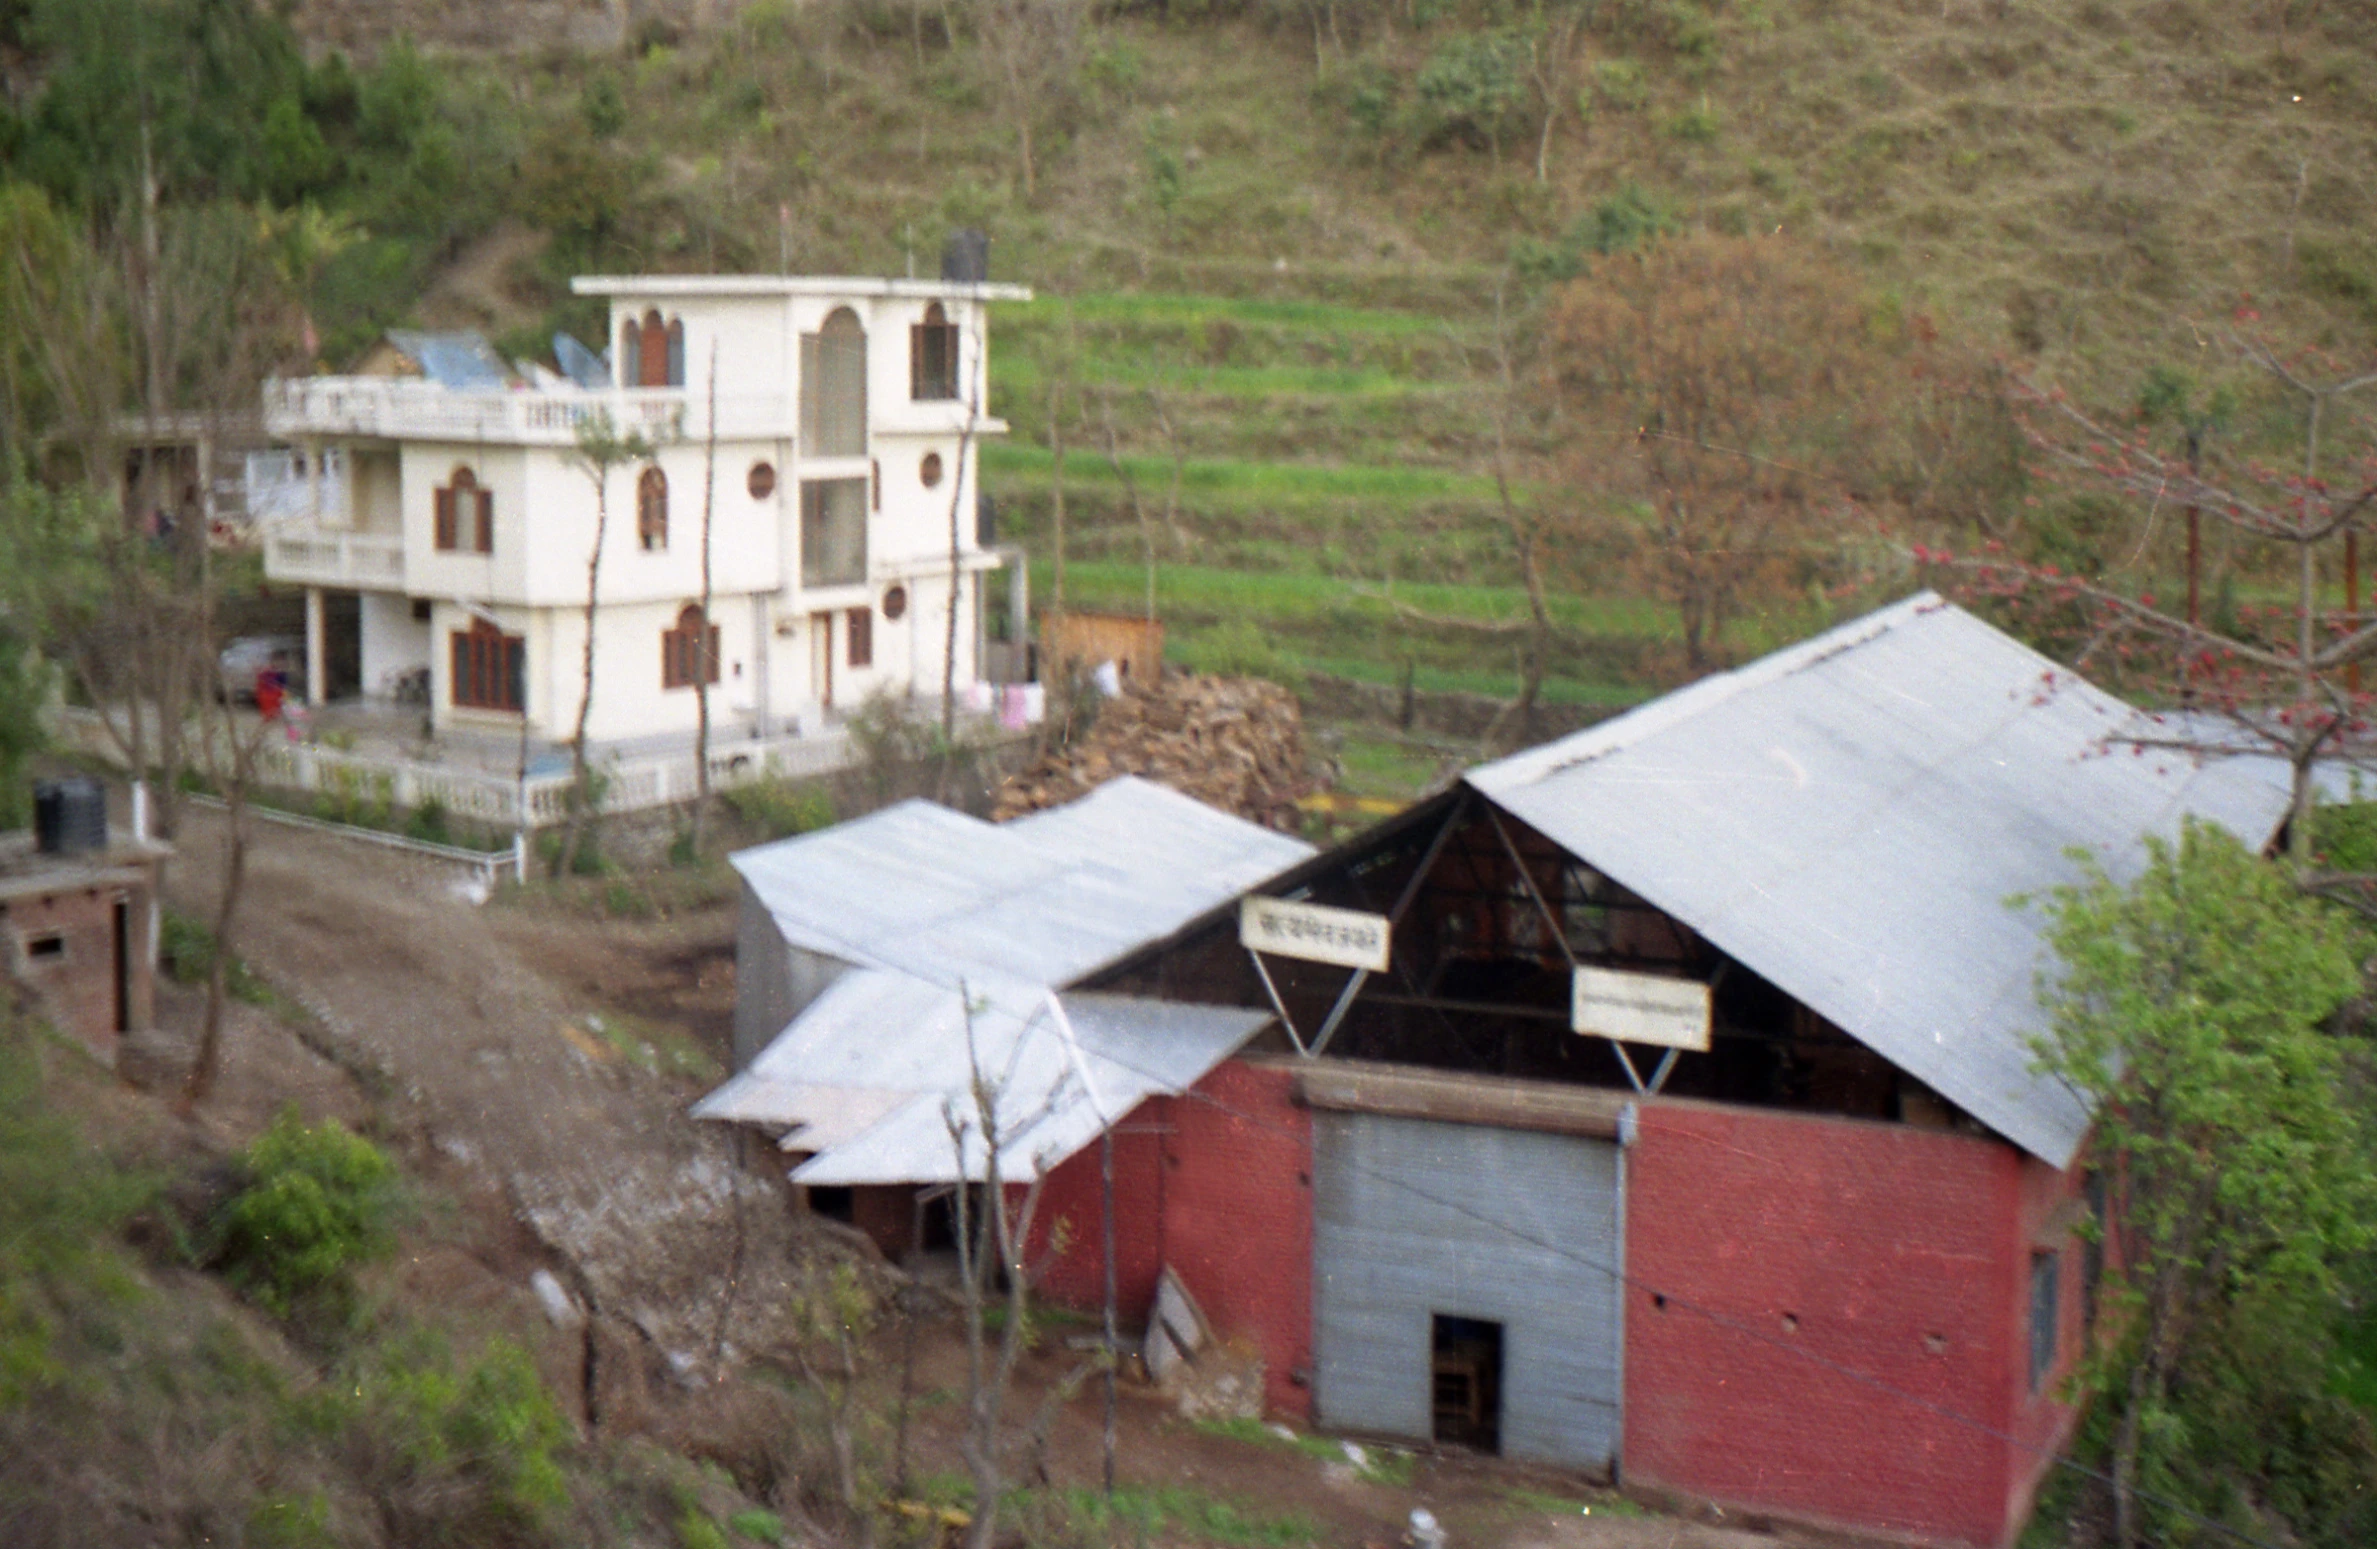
[272, 692]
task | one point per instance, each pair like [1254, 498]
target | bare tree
[601, 447]
[1032, 48]
[970, 363]
[708, 658]
[2282, 677]
[994, 1225]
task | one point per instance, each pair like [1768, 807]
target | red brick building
[1828, 1264]
[78, 932]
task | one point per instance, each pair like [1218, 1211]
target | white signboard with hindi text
[1314, 932]
[1641, 1008]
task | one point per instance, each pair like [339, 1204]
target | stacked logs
[1232, 743]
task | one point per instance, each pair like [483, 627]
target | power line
[1721, 1320]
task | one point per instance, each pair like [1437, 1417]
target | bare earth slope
[455, 1005]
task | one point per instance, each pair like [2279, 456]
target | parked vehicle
[245, 660]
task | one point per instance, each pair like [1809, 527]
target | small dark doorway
[123, 965]
[1465, 1376]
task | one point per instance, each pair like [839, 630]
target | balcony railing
[403, 408]
[323, 557]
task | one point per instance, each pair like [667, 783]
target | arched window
[652, 509]
[676, 353]
[689, 652]
[631, 353]
[932, 356]
[465, 515]
[654, 350]
[834, 388]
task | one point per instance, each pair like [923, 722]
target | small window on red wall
[862, 637]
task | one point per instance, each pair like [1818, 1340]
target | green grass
[2355, 1373]
[1390, 1466]
[1175, 1511]
[654, 1049]
[1198, 311]
[1374, 766]
[1208, 483]
[1567, 1506]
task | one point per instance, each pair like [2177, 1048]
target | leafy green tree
[1476, 86]
[2190, 1014]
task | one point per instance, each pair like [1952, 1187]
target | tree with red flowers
[2285, 674]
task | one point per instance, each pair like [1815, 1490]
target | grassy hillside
[1268, 241]
[1272, 271]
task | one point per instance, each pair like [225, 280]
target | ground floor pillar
[317, 652]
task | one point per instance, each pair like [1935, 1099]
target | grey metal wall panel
[1414, 1218]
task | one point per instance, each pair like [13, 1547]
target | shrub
[429, 822]
[450, 1456]
[780, 808]
[1474, 87]
[187, 950]
[316, 1204]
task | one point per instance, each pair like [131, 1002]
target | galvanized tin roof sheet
[871, 1075]
[1044, 899]
[1851, 817]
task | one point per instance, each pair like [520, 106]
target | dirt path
[494, 1061]
[476, 1020]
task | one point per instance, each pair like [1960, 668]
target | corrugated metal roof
[869, 1075]
[462, 360]
[1850, 818]
[1044, 899]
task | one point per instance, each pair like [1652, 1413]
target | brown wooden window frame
[464, 485]
[652, 510]
[682, 648]
[933, 357]
[490, 669]
[833, 387]
[859, 637]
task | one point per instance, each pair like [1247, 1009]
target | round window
[930, 470]
[895, 602]
[762, 482]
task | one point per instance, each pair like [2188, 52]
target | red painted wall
[1238, 1218]
[2050, 1208]
[1070, 1214]
[1218, 1184]
[1894, 1252]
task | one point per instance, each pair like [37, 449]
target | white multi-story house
[462, 515]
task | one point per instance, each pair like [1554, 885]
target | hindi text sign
[1314, 932]
[1641, 1008]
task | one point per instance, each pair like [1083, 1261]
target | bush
[450, 1456]
[1623, 221]
[428, 822]
[316, 1204]
[780, 808]
[186, 948]
[1474, 88]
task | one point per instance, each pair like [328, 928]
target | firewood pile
[1232, 743]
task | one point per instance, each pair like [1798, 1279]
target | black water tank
[69, 815]
[965, 257]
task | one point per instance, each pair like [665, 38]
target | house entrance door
[821, 658]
